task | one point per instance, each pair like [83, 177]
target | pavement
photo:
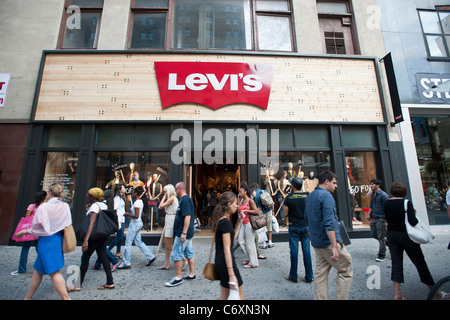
[371, 279]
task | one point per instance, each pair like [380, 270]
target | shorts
[182, 249]
[269, 220]
[168, 226]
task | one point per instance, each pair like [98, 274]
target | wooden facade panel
[120, 86]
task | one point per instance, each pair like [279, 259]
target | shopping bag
[24, 224]
[275, 225]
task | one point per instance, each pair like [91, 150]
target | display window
[276, 179]
[432, 141]
[61, 167]
[361, 168]
[132, 169]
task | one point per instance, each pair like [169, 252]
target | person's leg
[293, 247]
[322, 270]
[101, 254]
[60, 284]
[344, 275]
[36, 280]
[306, 249]
[24, 256]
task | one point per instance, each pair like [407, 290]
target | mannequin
[135, 182]
[155, 189]
[271, 183]
[283, 186]
[290, 173]
[130, 178]
[117, 180]
[311, 182]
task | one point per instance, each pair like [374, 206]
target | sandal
[248, 266]
[73, 289]
[289, 279]
[106, 286]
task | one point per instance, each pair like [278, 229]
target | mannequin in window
[130, 178]
[291, 173]
[311, 182]
[155, 189]
[271, 184]
[117, 180]
[284, 189]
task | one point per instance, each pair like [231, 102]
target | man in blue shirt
[377, 218]
[267, 212]
[183, 231]
[330, 252]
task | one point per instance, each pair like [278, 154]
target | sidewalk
[263, 283]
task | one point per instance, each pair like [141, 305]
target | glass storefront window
[61, 167]
[152, 169]
[432, 140]
[212, 25]
[306, 165]
[361, 168]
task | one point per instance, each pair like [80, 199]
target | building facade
[211, 93]
[426, 113]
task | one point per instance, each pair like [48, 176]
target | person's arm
[187, 222]
[332, 237]
[329, 224]
[165, 203]
[92, 221]
[226, 238]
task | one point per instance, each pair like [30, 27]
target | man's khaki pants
[344, 273]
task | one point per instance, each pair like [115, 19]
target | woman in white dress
[169, 203]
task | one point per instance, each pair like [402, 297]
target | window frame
[63, 26]
[254, 13]
[442, 34]
[350, 15]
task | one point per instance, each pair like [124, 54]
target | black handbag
[106, 224]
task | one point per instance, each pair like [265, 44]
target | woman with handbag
[39, 198]
[247, 233]
[96, 204]
[48, 224]
[399, 241]
[225, 264]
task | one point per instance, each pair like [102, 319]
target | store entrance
[214, 179]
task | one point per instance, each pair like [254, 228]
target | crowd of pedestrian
[311, 217]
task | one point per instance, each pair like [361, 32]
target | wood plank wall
[121, 86]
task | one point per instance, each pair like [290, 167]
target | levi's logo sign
[214, 84]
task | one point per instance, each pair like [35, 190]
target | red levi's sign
[214, 84]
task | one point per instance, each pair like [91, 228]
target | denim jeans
[378, 231]
[134, 234]
[297, 234]
[24, 256]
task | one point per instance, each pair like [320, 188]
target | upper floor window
[80, 24]
[436, 32]
[227, 25]
[337, 27]
[149, 23]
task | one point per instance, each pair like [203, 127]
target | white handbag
[419, 233]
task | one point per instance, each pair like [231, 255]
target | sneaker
[189, 277]
[270, 245]
[174, 282]
[123, 266]
[113, 267]
[263, 246]
[149, 262]
[15, 273]
[380, 259]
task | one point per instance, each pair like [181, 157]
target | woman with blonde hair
[169, 203]
[48, 224]
[225, 263]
